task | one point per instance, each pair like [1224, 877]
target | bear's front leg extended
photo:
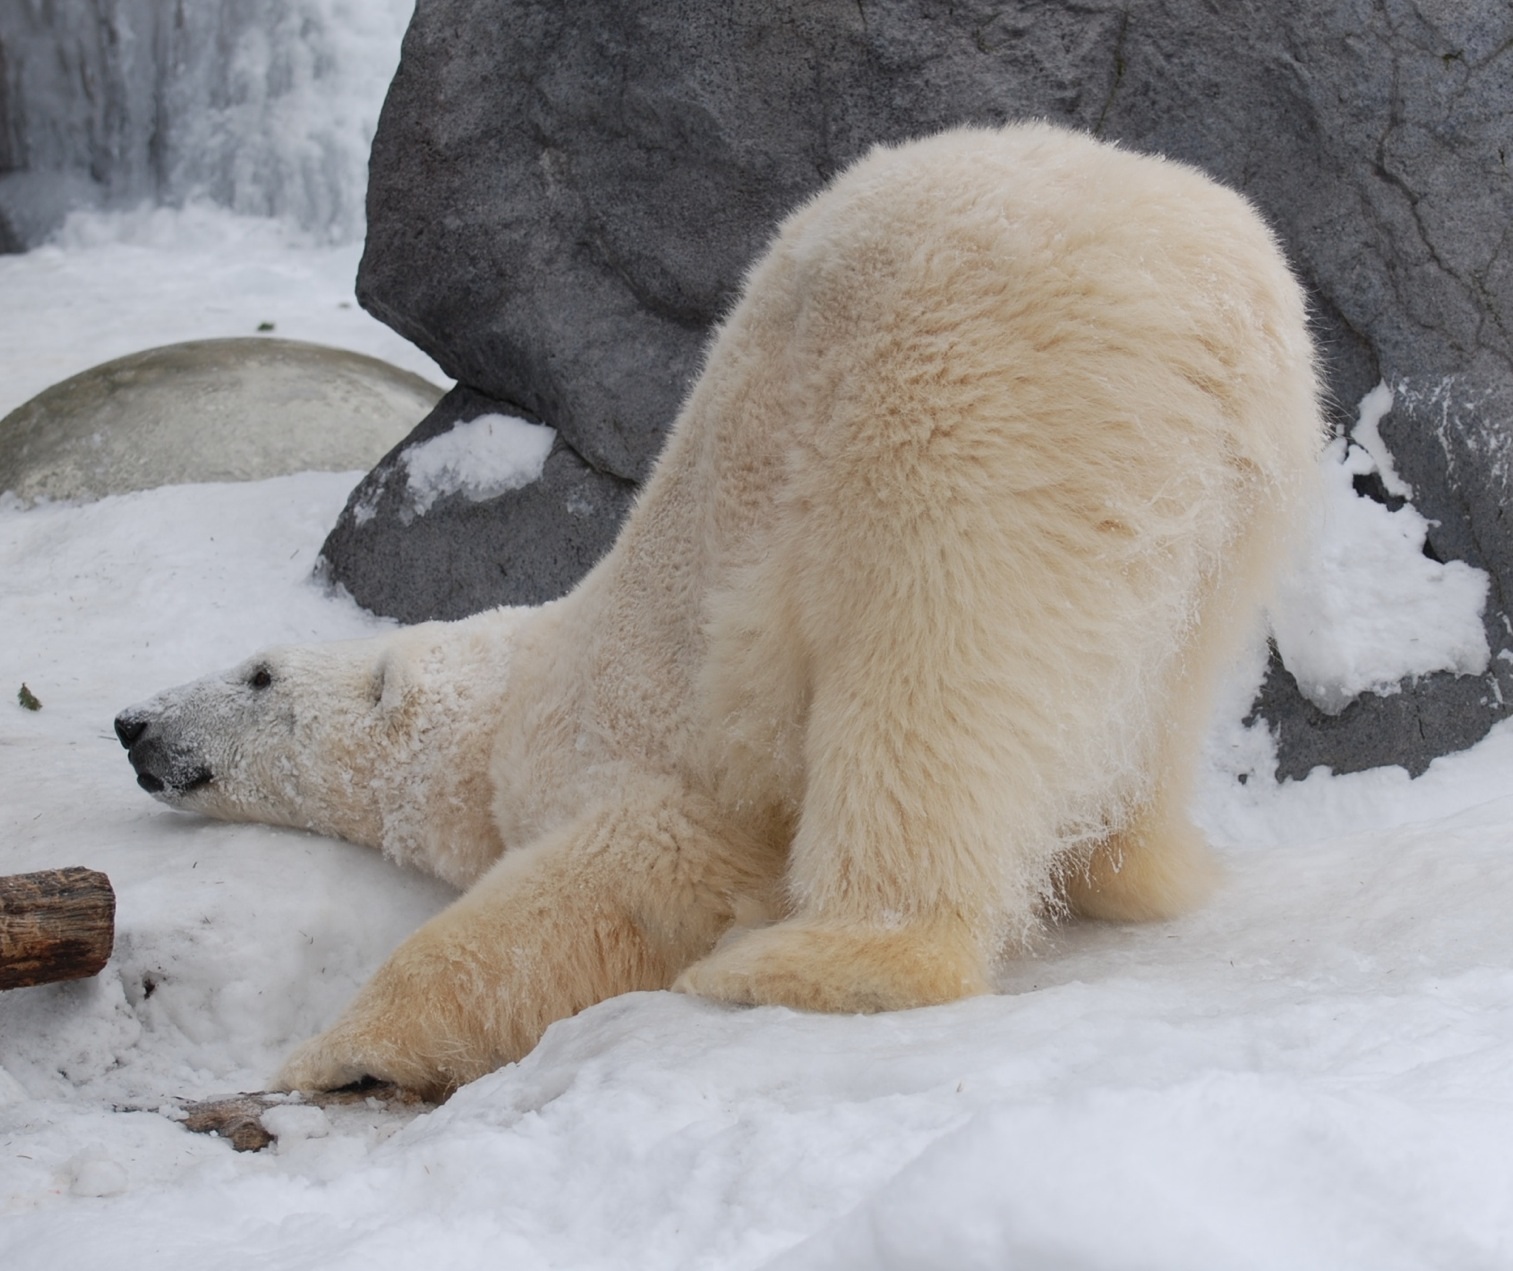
[621, 899]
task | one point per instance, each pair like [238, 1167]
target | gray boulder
[208, 410]
[1428, 717]
[563, 198]
[514, 548]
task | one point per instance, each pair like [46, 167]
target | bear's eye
[261, 678]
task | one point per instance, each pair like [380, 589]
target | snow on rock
[478, 459]
[1366, 608]
[1375, 407]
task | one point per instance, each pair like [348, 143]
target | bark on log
[59, 924]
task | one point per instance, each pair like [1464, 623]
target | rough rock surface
[563, 199]
[1436, 715]
[208, 410]
[514, 548]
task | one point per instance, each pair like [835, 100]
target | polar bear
[906, 646]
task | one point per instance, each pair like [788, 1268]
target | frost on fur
[908, 642]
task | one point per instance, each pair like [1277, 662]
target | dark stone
[563, 199]
[1427, 717]
[520, 548]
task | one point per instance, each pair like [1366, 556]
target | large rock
[563, 198]
[1428, 717]
[208, 410]
[434, 561]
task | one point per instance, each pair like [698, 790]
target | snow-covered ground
[1316, 1070]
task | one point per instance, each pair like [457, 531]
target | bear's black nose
[129, 728]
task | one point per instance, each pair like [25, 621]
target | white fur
[908, 641]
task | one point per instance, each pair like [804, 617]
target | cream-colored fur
[909, 639]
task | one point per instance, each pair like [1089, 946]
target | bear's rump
[1015, 458]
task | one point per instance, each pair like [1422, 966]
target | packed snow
[479, 459]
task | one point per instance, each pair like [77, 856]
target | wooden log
[59, 924]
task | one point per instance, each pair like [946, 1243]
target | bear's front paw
[323, 1063]
[343, 1056]
[843, 969]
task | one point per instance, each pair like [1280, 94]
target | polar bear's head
[291, 736]
[367, 740]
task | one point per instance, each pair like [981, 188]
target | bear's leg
[888, 912]
[914, 857]
[1159, 865]
[1156, 868]
[620, 900]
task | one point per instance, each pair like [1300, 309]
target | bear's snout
[161, 768]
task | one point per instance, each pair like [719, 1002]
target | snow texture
[1366, 608]
[1375, 407]
[109, 285]
[478, 459]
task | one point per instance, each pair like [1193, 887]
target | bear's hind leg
[914, 857]
[1158, 867]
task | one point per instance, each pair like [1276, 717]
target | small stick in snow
[237, 1118]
